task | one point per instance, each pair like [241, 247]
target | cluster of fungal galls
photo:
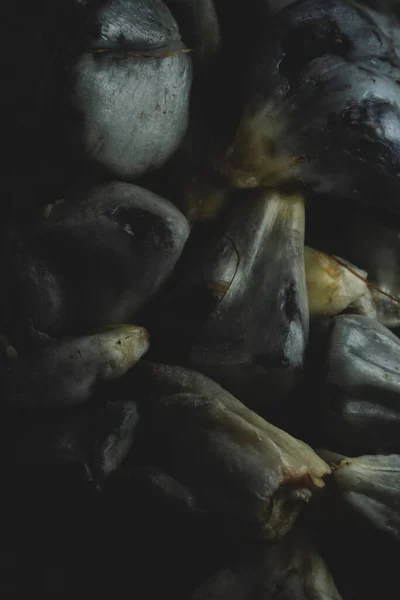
[161, 359]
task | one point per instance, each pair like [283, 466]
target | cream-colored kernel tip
[331, 287]
[132, 340]
[132, 333]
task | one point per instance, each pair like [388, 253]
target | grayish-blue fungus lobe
[238, 465]
[321, 106]
[131, 87]
[241, 315]
[94, 261]
[360, 396]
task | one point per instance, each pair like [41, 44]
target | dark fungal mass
[80, 107]
[290, 570]
[95, 260]
[174, 360]
[236, 464]
[322, 90]
[87, 445]
[133, 111]
[253, 339]
[360, 399]
[307, 42]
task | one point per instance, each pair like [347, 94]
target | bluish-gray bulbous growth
[131, 89]
[241, 314]
[360, 396]
[322, 104]
[94, 261]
